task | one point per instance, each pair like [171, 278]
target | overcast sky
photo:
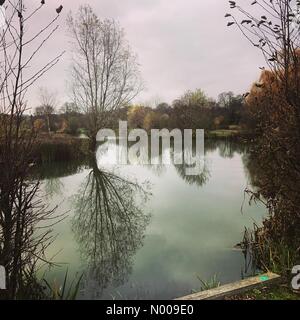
[181, 45]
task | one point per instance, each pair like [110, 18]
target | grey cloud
[181, 44]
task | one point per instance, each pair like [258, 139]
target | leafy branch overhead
[274, 32]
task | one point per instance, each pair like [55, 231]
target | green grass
[59, 147]
[57, 291]
[211, 283]
[275, 292]
[225, 133]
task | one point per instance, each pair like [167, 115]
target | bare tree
[105, 74]
[48, 103]
[225, 99]
[274, 28]
[22, 244]
[69, 108]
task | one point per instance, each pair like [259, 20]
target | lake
[151, 232]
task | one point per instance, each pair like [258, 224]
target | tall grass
[267, 254]
[64, 291]
[53, 151]
[211, 283]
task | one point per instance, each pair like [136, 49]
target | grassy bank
[228, 133]
[60, 147]
[56, 147]
[278, 292]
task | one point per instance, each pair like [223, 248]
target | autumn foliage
[274, 102]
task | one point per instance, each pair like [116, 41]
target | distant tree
[73, 125]
[63, 126]
[225, 99]
[164, 121]
[136, 116]
[152, 120]
[163, 107]
[218, 121]
[194, 98]
[193, 110]
[234, 106]
[39, 125]
[69, 108]
[48, 103]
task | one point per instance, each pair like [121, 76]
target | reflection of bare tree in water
[109, 226]
[53, 187]
[191, 160]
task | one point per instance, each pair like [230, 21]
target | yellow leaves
[135, 116]
[218, 121]
[39, 125]
[151, 120]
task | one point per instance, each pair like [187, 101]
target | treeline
[193, 110]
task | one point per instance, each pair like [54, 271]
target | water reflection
[199, 180]
[189, 233]
[226, 147]
[109, 226]
[51, 175]
[194, 170]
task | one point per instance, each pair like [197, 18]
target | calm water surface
[131, 244]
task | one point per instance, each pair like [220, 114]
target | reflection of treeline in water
[59, 169]
[226, 148]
